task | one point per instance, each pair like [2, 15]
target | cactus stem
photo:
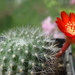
[63, 49]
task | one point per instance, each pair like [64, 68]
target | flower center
[70, 26]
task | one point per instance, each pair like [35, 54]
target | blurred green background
[15, 13]
[30, 12]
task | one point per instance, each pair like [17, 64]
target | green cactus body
[25, 52]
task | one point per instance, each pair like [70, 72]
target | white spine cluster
[24, 50]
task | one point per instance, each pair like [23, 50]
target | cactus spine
[25, 51]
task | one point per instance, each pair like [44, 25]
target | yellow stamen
[70, 27]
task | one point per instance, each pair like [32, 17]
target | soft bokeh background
[15, 13]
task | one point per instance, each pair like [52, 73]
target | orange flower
[67, 25]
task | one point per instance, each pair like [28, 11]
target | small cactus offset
[26, 51]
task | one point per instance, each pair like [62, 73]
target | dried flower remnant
[72, 2]
[58, 34]
[67, 25]
[50, 28]
[47, 26]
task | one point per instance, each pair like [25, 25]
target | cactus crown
[25, 51]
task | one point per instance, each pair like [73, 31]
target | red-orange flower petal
[64, 17]
[60, 24]
[67, 25]
[72, 17]
[67, 34]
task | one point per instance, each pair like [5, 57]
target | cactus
[26, 51]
